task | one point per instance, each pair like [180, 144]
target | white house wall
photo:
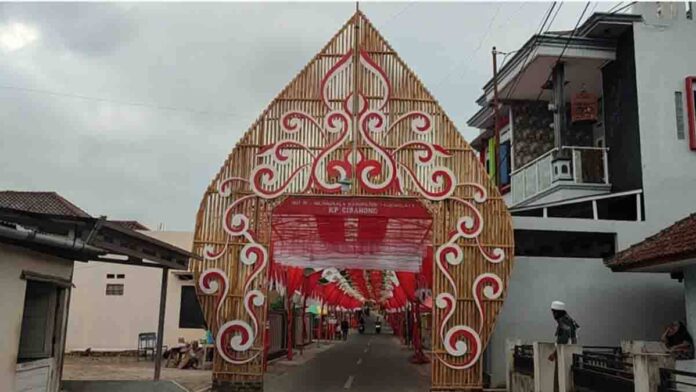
[665, 55]
[14, 260]
[112, 323]
[609, 307]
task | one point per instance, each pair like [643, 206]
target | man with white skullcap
[566, 328]
[566, 332]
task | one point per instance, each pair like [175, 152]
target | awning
[88, 239]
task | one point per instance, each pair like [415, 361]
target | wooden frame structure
[355, 115]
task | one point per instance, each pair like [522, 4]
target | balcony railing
[602, 372]
[672, 380]
[587, 165]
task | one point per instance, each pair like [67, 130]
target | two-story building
[594, 150]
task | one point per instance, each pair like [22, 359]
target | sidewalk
[127, 368]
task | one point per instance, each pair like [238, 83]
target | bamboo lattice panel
[356, 112]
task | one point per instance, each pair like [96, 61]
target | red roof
[131, 224]
[41, 203]
[675, 243]
[53, 204]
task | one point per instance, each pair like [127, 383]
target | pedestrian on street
[566, 333]
[344, 328]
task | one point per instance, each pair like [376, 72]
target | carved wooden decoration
[356, 115]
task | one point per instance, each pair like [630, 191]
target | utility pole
[496, 129]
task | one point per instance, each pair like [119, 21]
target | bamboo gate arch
[393, 140]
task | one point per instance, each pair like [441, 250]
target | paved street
[364, 363]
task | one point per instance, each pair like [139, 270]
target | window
[691, 110]
[190, 314]
[38, 321]
[114, 289]
[109, 276]
[121, 276]
[505, 164]
[679, 110]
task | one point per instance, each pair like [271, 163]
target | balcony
[558, 174]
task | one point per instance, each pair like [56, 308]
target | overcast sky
[203, 73]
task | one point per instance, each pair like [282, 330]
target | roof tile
[676, 242]
[40, 202]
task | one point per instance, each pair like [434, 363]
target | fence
[672, 380]
[602, 372]
[523, 359]
[611, 351]
[588, 165]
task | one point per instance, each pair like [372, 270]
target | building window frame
[190, 315]
[690, 91]
[115, 289]
[49, 292]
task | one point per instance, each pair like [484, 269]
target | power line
[505, 56]
[570, 38]
[116, 102]
[624, 7]
[401, 11]
[516, 80]
[554, 17]
[480, 44]
[499, 161]
[614, 7]
[594, 7]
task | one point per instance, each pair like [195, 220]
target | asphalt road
[364, 363]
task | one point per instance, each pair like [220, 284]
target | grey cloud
[227, 60]
[90, 29]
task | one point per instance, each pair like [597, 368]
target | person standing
[566, 333]
[344, 328]
[566, 327]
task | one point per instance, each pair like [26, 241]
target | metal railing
[588, 165]
[672, 380]
[523, 359]
[612, 351]
[602, 372]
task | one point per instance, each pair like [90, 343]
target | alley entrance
[353, 187]
[360, 265]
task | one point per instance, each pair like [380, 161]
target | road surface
[364, 363]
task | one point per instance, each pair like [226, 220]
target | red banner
[352, 207]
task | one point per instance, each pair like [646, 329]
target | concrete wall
[14, 260]
[609, 307]
[104, 322]
[521, 383]
[665, 55]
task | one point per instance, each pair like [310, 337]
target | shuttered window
[114, 289]
[38, 321]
